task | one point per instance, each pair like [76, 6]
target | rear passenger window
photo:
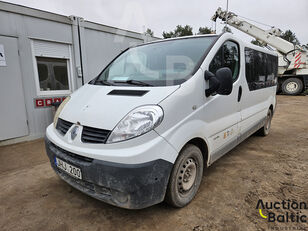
[272, 67]
[261, 69]
[227, 56]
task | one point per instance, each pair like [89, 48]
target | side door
[258, 91]
[13, 119]
[223, 112]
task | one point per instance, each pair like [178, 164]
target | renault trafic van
[144, 130]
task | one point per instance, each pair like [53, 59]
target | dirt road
[273, 168]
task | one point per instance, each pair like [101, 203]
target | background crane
[292, 58]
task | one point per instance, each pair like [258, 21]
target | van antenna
[226, 29]
[227, 5]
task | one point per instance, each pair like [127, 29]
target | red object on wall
[39, 103]
[48, 102]
[57, 100]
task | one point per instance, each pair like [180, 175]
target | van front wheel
[186, 177]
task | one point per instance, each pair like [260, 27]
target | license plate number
[70, 169]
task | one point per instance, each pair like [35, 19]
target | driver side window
[227, 56]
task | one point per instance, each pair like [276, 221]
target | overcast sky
[164, 15]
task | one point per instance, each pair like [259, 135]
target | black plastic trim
[82, 158]
[132, 186]
[63, 126]
[127, 92]
[94, 135]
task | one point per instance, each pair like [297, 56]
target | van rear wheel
[185, 177]
[264, 131]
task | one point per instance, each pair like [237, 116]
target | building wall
[92, 47]
[25, 29]
[101, 47]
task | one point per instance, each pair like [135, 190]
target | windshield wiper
[135, 82]
[103, 82]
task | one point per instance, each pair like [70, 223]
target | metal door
[13, 119]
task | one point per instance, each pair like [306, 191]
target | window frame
[70, 72]
[239, 57]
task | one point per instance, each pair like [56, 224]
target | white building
[45, 57]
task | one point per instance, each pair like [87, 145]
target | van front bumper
[132, 186]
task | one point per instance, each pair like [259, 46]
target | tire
[264, 131]
[292, 86]
[278, 90]
[185, 177]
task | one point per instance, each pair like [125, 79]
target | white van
[145, 129]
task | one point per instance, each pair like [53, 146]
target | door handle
[239, 94]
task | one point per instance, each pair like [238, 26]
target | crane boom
[292, 58]
[270, 37]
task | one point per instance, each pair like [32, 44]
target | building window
[52, 64]
[53, 74]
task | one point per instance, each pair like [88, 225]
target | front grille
[63, 126]
[94, 135]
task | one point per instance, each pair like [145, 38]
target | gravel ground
[271, 168]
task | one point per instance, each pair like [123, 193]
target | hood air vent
[128, 92]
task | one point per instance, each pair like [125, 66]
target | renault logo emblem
[74, 132]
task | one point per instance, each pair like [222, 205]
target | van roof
[178, 38]
[246, 44]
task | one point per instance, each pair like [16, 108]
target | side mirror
[224, 76]
[221, 83]
[208, 75]
[213, 83]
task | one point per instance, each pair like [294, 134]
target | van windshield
[157, 64]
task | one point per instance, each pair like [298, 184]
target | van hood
[104, 106]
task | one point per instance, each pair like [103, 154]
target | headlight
[136, 123]
[55, 119]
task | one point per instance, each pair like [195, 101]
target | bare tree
[179, 32]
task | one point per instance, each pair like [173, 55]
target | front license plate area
[68, 168]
